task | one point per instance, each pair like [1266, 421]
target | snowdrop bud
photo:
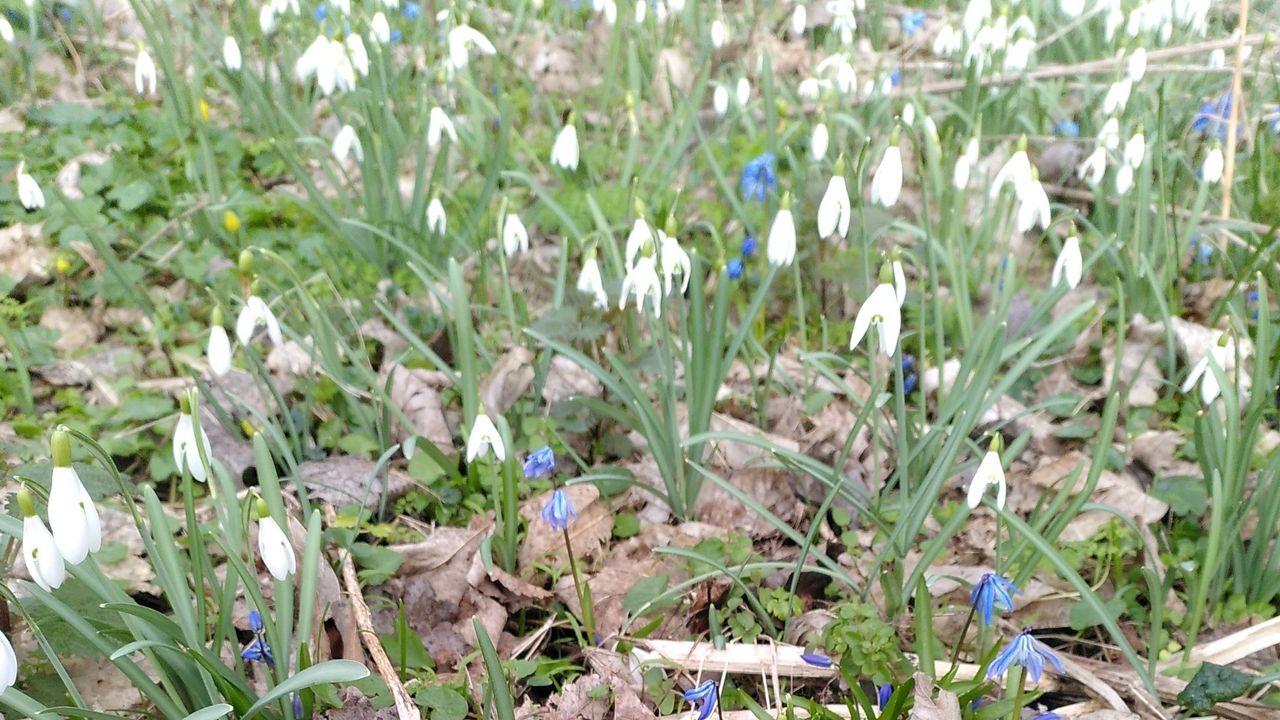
[720, 100]
[834, 212]
[267, 19]
[144, 73]
[1069, 266]
[515, 237]
[744, 91]
[345, 142]
[799, 20]
[818, 142]
[719, 33]
[231, 54]
[436, 220]
[1217, 59]
[886, 184]
[1213, 162]
[642, 9]
[6, 34]
[380, 28]
[990, 472]
[960, 176]
[591, 283]
[483, 437]
[1124, 179]
[29, 192]
[218, 351]
[564, 153]
[73, 518]
[1135, 149]
[1136, 65]
[274, 546]
[39, 552]
[781, 245]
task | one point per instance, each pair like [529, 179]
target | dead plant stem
[1237, 97]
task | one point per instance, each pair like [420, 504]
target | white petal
[219, 351]
[275, 549]
[73, 518]
[44, 563]
[781, 245]
[8, 664]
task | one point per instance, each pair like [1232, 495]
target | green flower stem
[1021, 676]
[584, 592]
[955, 652]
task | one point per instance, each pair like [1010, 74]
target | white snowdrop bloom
[809, 89]
[356, 54]
[720, 100]
[29, 192]
[781, 245]
[673, 259]
[964, 165]
[1033, 207]
[218, 351]
[843, 22]
[231, 58]
[1217, 59]
[990, 472]
[609, 8]
[743, 92]
[255, 313]
[515, 237]
[39, 551]
[1021, 26]
[642, 280]
[719, 33]
[1213, 163]
[344, 71]
[1019, 54]
[437, 222]
[439, 125]
[1071, 8]
[8, 661]
[882, 310]
[73, 517]
[818, 142]
[839, 68]
[947, 42]
[1117, 96]
[1109, 135]
[886, 184]
[909, 115]
[346, 142]
[391, 4]
[1124, 179]
[1135, 150]
[1202, 373]
[835, 212]
[275, 549]
[1016, 171]
[1094, 167]
[981, 48]
[308, 63]
[462, 39]
[591, 283]
[640, 235]
[186, 451]
[799, 20]
[379, 28]
[6, 30]
[1136, 65]
[342, 7]
[564, 153]
[976, 14]
[642, 11]
[266, 18]
[1069, 266]
[144, 73]
[899, 282]
[675, 7]
[483, 437]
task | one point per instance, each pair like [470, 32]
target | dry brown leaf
[291, 358]
[1139, 370]
[567, 379]
[73, 326]
[346, 479]
[576, 702]
[22, 256]
[1156, 449]
[673, 74]
[508, 381]
[588, 532]
[416, 393]
[945, 707]
[68, 178]
[355, 706]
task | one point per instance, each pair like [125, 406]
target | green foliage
[865, 644]
[1213, 684]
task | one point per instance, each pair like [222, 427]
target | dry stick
[405, 707]
[1237, 90]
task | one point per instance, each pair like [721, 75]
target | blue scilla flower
[559, 512]
[895, 77]
[1203, 252]
[255, 621]
[259, 651]
[540, 463]
[734, 268]
[396, 35]
[1067, 128]
[908, 363]
[1026, 652]
[706, 693]
[64, 14]
[1047, 716]
[912, 22]
[298, 712]
[816, 660]
[321, 13]
[910, 383]
[883, 693]
[749, 246]
[411, 10]
[1213, 117]
[992, 591]
[758, 177]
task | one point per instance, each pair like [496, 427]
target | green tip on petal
[184, 403]
[246, 262]
[60, 447]
[997, 444]
[25, 503]
[786, 201]
[1022, 143]
[670, 229]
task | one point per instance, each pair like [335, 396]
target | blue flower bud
[540, 463]
[734, 268]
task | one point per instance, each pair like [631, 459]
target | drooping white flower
[267, 18]
[720, 100]
[1201, 372]
[356, 56]
[674, 260]
[515, 237]
[436, 220]
[642, 11]
[819, 141]
[462, 39]
[1136, 65]
[1217, 59]
[484, 436]
[835, 210]
[799, 20]
[346, 142]
[882, 310]
[899, 282]
[1033, 207]
[1117, 96]
[254, 313]
[144, 73]
[743, 91]
[380, 28]
[609, 8]
[1213, 164]
[675, 7]
[39, 551]
[642, 280]
[1071, 8]
[990, 472]
[186, 447]
[1019, 54]
[886, 184]
[564, 153]
[73, 517]
[1070, 265]
[640, 234]
[976, 15]
[781, 245]
[231, 59]
[1109, 135]
[1016, 171]
[8, 661]
[947, 42]
[218, 350]
[1124, 179]
[809, 89]
[964, 165]
[29, 192]
[274, 547]
[840, 71]
[6, 30]
[719, 33]
[1135, 149]
[843, 22]
[1094, 166]
[439, 125]
[591, 283]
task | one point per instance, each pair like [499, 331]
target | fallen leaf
[73, 326]
[945, 707]
[580, 700]
[508, 381]
[23, 258]
[291, 358]
[567, 379]
[68, 178]
[416, 393]
[1139, 370]
[346, 479]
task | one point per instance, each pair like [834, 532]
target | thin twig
[1237, 98]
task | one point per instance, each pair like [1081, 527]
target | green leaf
[1083, 615]
[444, 703]
[1184, 494]
[131, 196]
[644, 592]
[1213, 684]
[210, 713]
[1075, 432]
[626, 525]
[332, 671]
[377, 564]
[504, 704]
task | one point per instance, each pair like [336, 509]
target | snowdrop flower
[39, 551]
[274, 546]
[976, 15]
[484, 435]
[799, 20]
[1113, 20]
[1016, 171]
[267, 18]
[846, 79]
[673, 258]
[899, 280]
[642, 280]
[231, 59]
[8, 661]
[1136, 65]
[6, 34]
[964, 165]
[254, 313]
[591, 283]
[641, 234]
[642, 11]
[1202, 373]
[218, 351]
[609, 8]
[29, 192]
[1069, 265]
[1213, 163]
[1217, 59]
[909, 114]
[675, 7]
[439, 125]
[947, 42]
[345, 142]
[834, 212]
[843, 22]
[380, 28]
[781, 245]
[515, 237]
[308, 63]
[186, 447]
[73, 517]
[990, 472]
[1109, 135]
[743, 91]
[719, 33]
[886, 184]
[1072, 8]
[356, 57]
[1135, 149]
[809, 89]
[1124, 179]
[720, 100]
[882, 310]
[564, 153]
[819, 141]
[462, 40]
[436, 220]
[144, 73]
[1033, 206]
[1018, 55]
[1094, 166]
[1117, 96]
